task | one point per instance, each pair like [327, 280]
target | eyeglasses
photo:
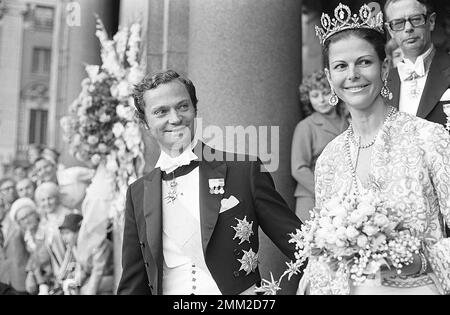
[415, 20]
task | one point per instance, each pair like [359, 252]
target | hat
[72, 222]
[75, 174]
[19, 204]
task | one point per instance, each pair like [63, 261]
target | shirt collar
[168, 164]
[423, 61]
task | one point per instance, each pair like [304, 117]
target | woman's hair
[47, 187]
[314, 81]
[375, 38]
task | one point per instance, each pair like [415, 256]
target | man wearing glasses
[420, 84]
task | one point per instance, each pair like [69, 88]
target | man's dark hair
[153, 81]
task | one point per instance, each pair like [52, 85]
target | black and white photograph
[241, 148]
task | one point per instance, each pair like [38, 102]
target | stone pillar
[245, 60]
[11, 45]
[77, 47]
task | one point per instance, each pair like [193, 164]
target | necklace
[172, 194]
[348, 136]
[372, 142]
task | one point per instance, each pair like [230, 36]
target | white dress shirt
[411, 90]
[185, 270]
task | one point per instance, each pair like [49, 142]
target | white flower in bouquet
[357, 217]
[96, 159]
[93, 72]
[103, 148]
[111, 163]
[92, 140]
[362, 241]
[366, 208]
[104, 118]
[381, 220]
[135, 75]
[118, 129]
[121, 90]
[370, 230]
[120, 144]
[121, 40]
[125, 112]
[351, 232]
[132, 135]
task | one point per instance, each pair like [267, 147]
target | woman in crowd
[13, 253]
[53, 213]
[322, 124]
[403, 158]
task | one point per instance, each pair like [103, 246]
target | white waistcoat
[185, 271]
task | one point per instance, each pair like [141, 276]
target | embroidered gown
[410, 164]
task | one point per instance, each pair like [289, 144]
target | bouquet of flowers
[357, 235]
[102, 128]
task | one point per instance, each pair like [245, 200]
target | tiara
[344, 20]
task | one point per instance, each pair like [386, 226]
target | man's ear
[432, 21]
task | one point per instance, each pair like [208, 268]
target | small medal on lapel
[243, 230]
[216, 186]
[249, 262]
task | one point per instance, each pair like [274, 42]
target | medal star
[243, 230]
[249, 261]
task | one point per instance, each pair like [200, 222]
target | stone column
[245, 60]
[11, 45]
[77, 47]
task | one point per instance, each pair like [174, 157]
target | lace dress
[410, 164]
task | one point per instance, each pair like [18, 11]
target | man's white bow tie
[409, 71]
[169, 164]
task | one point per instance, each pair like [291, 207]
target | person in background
[20, 171]
[53, 214]
[13, 253]
[24, 213]
[52, 155]
[45, 171]
[8, 190]
[393, 53]
[322, 124]
[34, 153]
[25, 188]
[95, 275]
[421, 82]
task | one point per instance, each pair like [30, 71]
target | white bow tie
[408, 71]
[169, 164]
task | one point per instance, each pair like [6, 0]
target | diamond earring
[334, 100]
[385, 92]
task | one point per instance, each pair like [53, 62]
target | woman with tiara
[404, 158]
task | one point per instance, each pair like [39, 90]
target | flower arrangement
[101, 128]
[357, 235]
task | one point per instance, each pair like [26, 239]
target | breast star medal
[249, 262]
[243, 230]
